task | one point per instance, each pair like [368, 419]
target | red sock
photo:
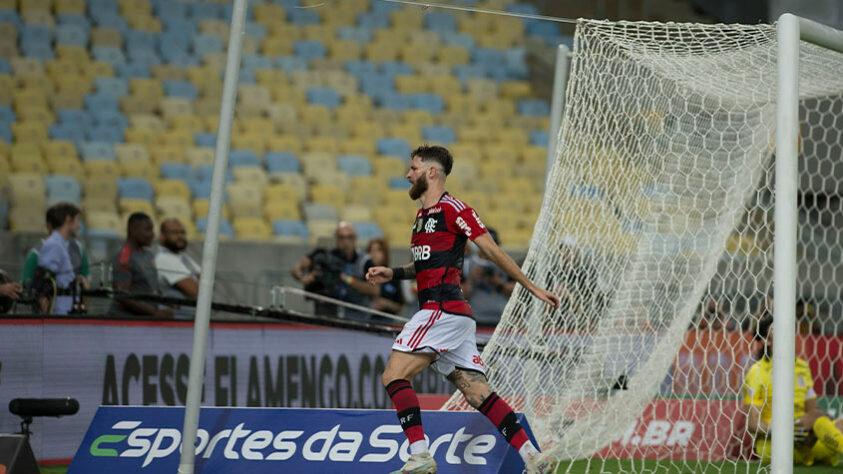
[502, 416]
[407, 405]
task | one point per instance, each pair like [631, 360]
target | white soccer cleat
[540, 464]
[418, 464]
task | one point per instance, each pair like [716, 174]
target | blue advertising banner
[272, 440]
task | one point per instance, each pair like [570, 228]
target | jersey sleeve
[753, 388]
[468, 223]
[171, 269]
[121, 272]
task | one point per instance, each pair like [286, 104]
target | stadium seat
[367, 230]
[197, 156]
[281, 210]
[172, 188]
[243, 158]
[393, 147]
[135, 188]
[62, 188]
[357, 212]
[200, 208]
[282, 162]
[251, 228]
[319, 212]
[174, 206]
[290, 231]
[102, 169]
[245, 200]
[27, 187]
[254, 175]
[226, 230]
[439, 134]
[176, 171]
[354, 165]
[295, 180]
[328, 195]
[128, 206]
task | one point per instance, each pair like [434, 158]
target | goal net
[656, 232]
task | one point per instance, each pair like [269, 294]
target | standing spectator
[133, 271]
[78, 255]
[178, 274]
[487, 287]
[55, 255]
[339, 273]
[391, 299]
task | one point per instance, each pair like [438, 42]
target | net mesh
[657, 218]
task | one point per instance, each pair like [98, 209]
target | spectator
[806, 318]
[712, 316]
[133, 271]
[391, 298]
[54, 256]
[339, 273]
[580, 289]
[487, 287]
[9, 292]
[78, 256]
[178, 274]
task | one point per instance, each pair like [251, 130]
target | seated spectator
[9, 292]
[391, 299]
[339, 273]
[178, 274]
[487, 287]
[54, 257]
[133, 271]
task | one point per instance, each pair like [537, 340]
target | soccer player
[442, 332]
[817, 439]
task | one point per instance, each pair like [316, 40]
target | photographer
[338, 273]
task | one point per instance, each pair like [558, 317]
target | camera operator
[338, 273]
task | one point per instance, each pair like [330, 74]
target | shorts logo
[430, 226]
[420, 252]
[464, 226]
[477, 361]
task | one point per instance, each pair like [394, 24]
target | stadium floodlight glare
[675, 177]
[211, 244]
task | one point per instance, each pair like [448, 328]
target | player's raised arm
[508, 265]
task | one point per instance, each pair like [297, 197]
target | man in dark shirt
[133, 271]
[339, 273]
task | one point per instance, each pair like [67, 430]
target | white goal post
[677, 142]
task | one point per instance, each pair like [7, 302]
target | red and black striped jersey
[438, 245]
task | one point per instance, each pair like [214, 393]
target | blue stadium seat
[487, 56]
[319, 212]
[429, 102]
[101, 6]
[76, 19]
[372, 20]
[139, 40]
[225, 226]
[100, 102]
[73, 35]
[368, 230]
[149, 57]
[354, 33]
[284, 228]
[183, 89]
[35, 34]
[179, 171]
[204, 173]
[396, 68]
[206, 139]
[135, 188]
[398, 183]
[516, 63]
[439, 134]
[203, 10]
[469, 71]
[76, 117]
[205, 43]
[133, 69]
[542, 28]
[256, 61]
[385, 7]
[394, 147]
[10, 16]
[324, 96]
[458, 39]
[65, 131]
[109, 54]
[539, 137]
[525, 8]
[246, 76]
[243, 158]
[96, 150]
[376, 85]
[354, 165]
[178, 40]
[171, 9]
[5, 67]
[393, 100]
[110, 118]
[301, 16]
[7, 115]
[40, 51]
[105, 133]
[309, 49]
[107, 19]
[4, 213]
[291, 63]
[360, 68]
[440, 22]
[533, 107]
[112, 86]
[62, 188]
[187, 26]
[6, 132]
[282, 162]
[255, 30]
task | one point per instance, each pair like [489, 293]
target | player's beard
[418, 188]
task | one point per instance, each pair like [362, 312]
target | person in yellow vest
[817, 439]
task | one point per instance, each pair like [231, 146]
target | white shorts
[451, 337]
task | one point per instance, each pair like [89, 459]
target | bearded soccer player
[442, 333]
[817, 439]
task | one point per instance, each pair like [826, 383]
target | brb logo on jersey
[420, 252]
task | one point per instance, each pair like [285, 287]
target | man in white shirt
[177, 272]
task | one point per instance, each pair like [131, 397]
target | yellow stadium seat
[381, 51]
[200, 208]
[512, 136]
[518, 186]
[7, 87]
[389, 167]
[130, 206]
[68, 166]
[269, 13]
[172, 188]
[385, 117]
[188, 123]
[31, 164]
[214, 27]
[499, 107]
[131, 153]
[418, 118]
[8, 48]
[39, 81]
[424, 38]
[174, 206]
[445, 86]
[29, 131]
[97, 68]
[349, 116]
[131, 105]
[293, 180]
[357, 213]
[57, 68]
[407, 19]
[175, 106]
[105, 219]
[198, 156]
[139, 169]
[24, 66]
[168, 72]
[25, 151]
[332, 196]
[145, 23]
[334, 178]
[36, 113]
[211, 123]
[489, 121]
[515, 89]
[534, 154]
[386, 215]
[345, 50]
[253, 142]
[281, 192]
[102, 169]
[346, 85]
[367, 191]
[323, 145]
[484, 89]
[495, 41]
[8, 32]
[100, 189]
[29, 98]
[317, 32]
[410, 84]
[257, 125]
[106, 37]
[270, 78]
[356, 146]
[315, 162]
[254, 175]
[179, 138]
[282, 210]
[167, 153]
[27, 186]
[253, 94]
[410, 133]
[207, 107]
[251, 228]
[75, 84]
[287, 94]
[77, 54]
[321, 230]
[148, 88]
[503, 154]
[245, 200]
[318, 115]
[453, 55]
[64, 100]
[27, 217]
[142, 136]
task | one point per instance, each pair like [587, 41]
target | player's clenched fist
[378, 275]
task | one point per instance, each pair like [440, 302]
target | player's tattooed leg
[473, 385]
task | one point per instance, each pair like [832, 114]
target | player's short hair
[436, 153]
[135, 219]
[58, 213]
